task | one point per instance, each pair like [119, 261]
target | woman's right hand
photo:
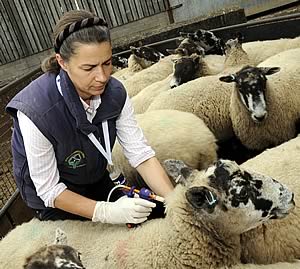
[124, 210]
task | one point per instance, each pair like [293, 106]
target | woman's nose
[100, 75]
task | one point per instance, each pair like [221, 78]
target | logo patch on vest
[75, 160]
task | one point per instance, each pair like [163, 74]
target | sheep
[202, 227]
[172, 134]
[277, 241]
[207, 40]
[265, 113]
[183, 68]
[56, 256]
[140, 58]
[146, 77]
[191, 67]
[235, 54]
[286, 265]
[119, 61]
[144, 98]
[258, 51]
[147, 53]
[204, 97]
[187, 47]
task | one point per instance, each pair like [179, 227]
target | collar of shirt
[94, 104]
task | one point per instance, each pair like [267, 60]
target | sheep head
[56, 256]
[251, 85]
[185, 69]
[226, 198]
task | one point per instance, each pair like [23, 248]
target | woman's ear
[61, 62]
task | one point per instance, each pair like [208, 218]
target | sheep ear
[178, 171]
[60, 237]
[183, 51]
[196, 57]
[133, 49]
[171, 51]
[228, 79]
[269, 70]
[202, 198]
[183, 34]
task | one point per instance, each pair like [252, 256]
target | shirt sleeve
[131, 137]
[41, 161]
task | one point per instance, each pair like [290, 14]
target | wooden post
[169, 12]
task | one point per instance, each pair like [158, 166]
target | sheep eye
[243, 195]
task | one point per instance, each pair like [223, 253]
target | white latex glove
[124, 210]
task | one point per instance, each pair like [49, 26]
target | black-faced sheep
[265, 113]
[172, 134]
[201, 229]
[187, 47]
[140, 58]
[207, 40]
[148, 53]
[55, 256]
[191, 67]
[119, 62]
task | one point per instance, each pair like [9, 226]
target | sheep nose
[292, 200]
[260, 118]
[173, 86]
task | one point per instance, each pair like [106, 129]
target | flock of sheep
[221, 214]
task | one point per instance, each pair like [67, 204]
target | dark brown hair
[81, 35]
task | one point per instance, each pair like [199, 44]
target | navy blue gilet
[62, 120]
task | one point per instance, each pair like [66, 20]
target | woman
[59, 120]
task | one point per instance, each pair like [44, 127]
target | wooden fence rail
[26, 25]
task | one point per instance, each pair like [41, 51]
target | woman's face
[89, 68]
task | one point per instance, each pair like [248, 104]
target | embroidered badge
[75, 160]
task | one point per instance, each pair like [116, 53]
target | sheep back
[173, 135]
[207, 98]
[144, 98]
[144, 78]
[259, 51]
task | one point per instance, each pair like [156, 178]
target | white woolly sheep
[265, 113]
[205, 97]
[276, 241]
[146, 77]
[172, 134]
[144, 98]
[279, 265]
[202, 227]
[259, 51]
